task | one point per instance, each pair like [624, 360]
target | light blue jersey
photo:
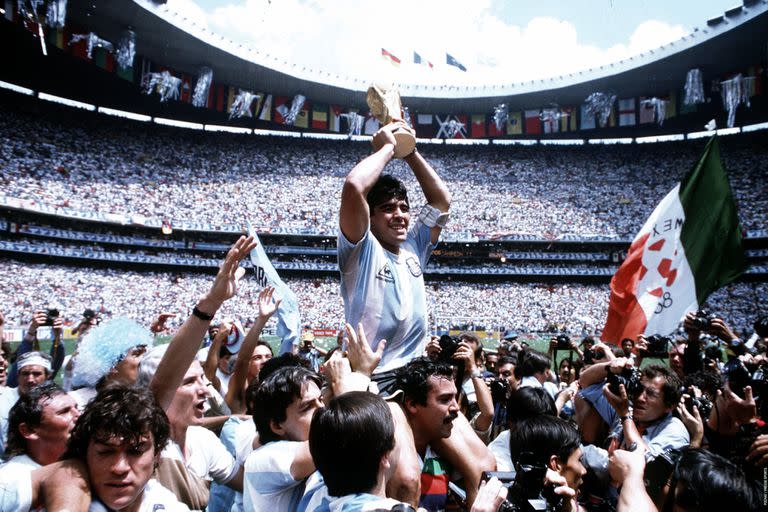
[385, 292]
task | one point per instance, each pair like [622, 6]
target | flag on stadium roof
[422, 62]
[389, 57]
[451, 61]
[627, 112]
[689, 247]
[288, 317]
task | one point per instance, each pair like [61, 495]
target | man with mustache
[430, 406]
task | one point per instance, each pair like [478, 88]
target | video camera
[526, 491]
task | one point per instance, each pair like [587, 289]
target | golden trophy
[384, 102]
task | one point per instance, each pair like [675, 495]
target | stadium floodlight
[562, 142]
[515, 142]
[660, 138]
[178, 124]
[122, 113]
[16, 88]
[65, 101]
[228, 129]
[621, 140]
[754, 127]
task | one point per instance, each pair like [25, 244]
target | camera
[658, 472]
[737, 376]
[563, 342]
[526, 491]
[657, 346]
[629, 377]
[52, 314]
[448, 347]
[703, 320]
[703, 403]
[499, 390]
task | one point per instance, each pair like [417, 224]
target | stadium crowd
[99, 164]
[526, 308]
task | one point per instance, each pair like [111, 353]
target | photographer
[548, 443]
[41, 317]
[638, 405]
[533, 369]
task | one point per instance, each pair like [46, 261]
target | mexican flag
[689, 247]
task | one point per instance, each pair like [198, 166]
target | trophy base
[406, 143]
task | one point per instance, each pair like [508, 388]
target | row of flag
[421, 61]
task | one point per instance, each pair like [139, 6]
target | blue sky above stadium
[496, 40]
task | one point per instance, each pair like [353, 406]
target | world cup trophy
[384, 102]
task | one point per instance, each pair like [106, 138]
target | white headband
[33, 359]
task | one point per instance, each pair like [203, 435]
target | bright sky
[499, 41]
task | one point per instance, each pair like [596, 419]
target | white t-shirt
[500, 449]
[268, 484]
[385, 292]
[8, 398]
[223, 380]
[208, 457]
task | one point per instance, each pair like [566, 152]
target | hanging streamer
[296, 104]
[354, 123]
[500, 116]
[56, 13]
[166, 85]
[92, 41]
[126, 49]
[735, 92]
[202, 87]
[659, 108]
[694, 88]
[600, 104]
[241, 106]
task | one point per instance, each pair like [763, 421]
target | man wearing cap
[34, 368]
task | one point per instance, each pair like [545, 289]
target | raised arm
[354, 214]
[435, 191]
[185, 343]
[212, 359]
[237, 383]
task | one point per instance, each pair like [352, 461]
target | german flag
[390, 58]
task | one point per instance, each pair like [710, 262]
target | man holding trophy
[381, 262]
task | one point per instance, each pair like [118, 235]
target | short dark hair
[711, 483]
[412, 379]
[347, 440]
[28, 409]
[386, 188]
[122, 412]
[671, 386]
[275, 394]
[544, 436]
[506, 360]
[528, 402]
[531, 363]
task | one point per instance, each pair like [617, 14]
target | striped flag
[302, 119]
[515, 123]
[320, 116]
[532, 121]
[689, 247]
[266, 109]
[627, 112]
[478, 126]
[568, 120]
[451, 61]
[390, 58]
[422, 62]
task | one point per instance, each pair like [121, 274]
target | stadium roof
[723, 45]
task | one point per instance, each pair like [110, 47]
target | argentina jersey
[385, 292]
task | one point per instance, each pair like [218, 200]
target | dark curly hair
[385, 188]
[412, 379]
[28, 410]
[119, 411]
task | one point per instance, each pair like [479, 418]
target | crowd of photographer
[96, 164]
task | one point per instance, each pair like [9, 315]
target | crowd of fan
[193, 426]
[140, 295]
[112, 166]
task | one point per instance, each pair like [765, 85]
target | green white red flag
[690, 246]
